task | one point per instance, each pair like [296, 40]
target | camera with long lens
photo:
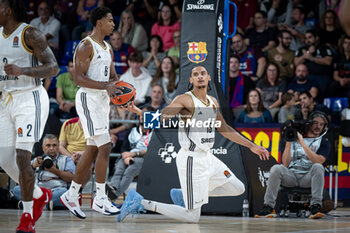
[47, 161]
[291, 128]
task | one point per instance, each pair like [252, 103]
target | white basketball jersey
[199, 132]
[100, 63]
[13, 50]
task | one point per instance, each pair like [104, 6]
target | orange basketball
[128, 95]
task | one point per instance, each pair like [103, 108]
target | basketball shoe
[176, 197]
[316, 212]
[104, 206]
[39, 203]
[72, 203]
[132, 205]
[266, 212]
[26, 224]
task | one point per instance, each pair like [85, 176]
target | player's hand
[14, 70]
[261, 151]
[131, 107]
[127, 154]
[112, 88]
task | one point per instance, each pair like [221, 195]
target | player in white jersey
[25, 58]
[95, 74]
[201, 174]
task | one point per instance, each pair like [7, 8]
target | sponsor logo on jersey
[15, 42]
[227, 174]
[197, 51]
[20, 132]
[167, 153]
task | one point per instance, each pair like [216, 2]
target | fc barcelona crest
[197, 51]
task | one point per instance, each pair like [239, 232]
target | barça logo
[197, 51]
[15, 42]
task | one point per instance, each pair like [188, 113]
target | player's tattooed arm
[36, 41]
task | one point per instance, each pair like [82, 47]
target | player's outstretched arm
[181, 104]
[37, 42]
[231, 134]
[81, 66]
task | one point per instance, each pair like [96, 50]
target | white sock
[173, 211]
[74, 189]
[100, 190]
[37, 192]
[28, 207]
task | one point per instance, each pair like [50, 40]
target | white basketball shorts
[23, 116]
[200, 173]
[93, 109]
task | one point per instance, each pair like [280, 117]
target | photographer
[53, 171]
[129, 165]
[301, 166]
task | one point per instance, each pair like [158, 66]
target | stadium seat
[69, 49]
[336, 105]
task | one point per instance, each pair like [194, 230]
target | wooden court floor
[63, 221]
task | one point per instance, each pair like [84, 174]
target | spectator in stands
[252, 60]
[277, 11]
[318, 58]
[297, 27]
[307, 105]
[153, 55]
[341, 75]
[239, 85]
[56, 177]
[132, 32]
[302, 167]
[167, 77]
[245, 13]
[287, 110]
[138, 76]
[174, 51]
[301, 83]
[130, 164]
[156, 99]
[166, 26]
[121, 51]
[66, 90]
[330, 30]
[261, 35]
[271, 88]
[283, 56]
[255, 111]
[177, 5]
[48, 25]
[84, 10]
[72, 142]
[145, 12]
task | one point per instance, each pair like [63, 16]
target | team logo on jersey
[227, 174]
[167, 153]
[197, 51]
[214, 108]
[20, 132]
[15, 42]
[151, 120]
